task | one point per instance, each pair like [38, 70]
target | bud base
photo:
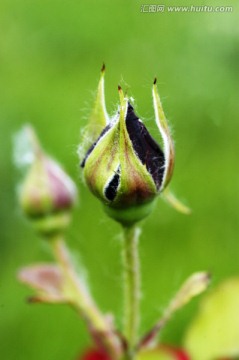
[130, 216]
[52, 224]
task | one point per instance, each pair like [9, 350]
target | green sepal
[98, 118]
[103, 162]
[136, 185]
[173, 201]
[164, 130]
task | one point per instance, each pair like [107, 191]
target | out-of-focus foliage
[50, 57]
[214, 333]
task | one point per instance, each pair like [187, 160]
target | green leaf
[215, 331]
[160, 353]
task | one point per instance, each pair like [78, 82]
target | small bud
[125, 167]
[47, 193]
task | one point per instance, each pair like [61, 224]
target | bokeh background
[50, 56]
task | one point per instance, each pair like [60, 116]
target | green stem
[100, 328]
[131, 287]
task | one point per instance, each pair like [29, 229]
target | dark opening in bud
[111, 189]
[147, 149]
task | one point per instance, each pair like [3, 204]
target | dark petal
[111, 190]
[93, 145]
[146, 148]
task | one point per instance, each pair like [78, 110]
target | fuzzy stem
[131, 287]
[98, 325]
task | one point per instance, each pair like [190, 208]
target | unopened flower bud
[125, 167]
[47, 193]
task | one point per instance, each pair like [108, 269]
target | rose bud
[125, 167]
[47, 193]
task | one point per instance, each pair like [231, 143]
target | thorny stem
[131, 287]
[98, 325]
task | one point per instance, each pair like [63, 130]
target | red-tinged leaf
[47, 280]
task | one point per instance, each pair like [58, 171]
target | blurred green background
[50, 56]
